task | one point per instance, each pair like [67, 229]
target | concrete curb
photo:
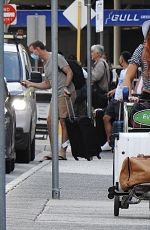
[13, 184]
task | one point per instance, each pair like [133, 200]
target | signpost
[71, 14]
[99, 16]
[79, 31]
[100, 19]
[85, 14]
[2, 128]
[10, 14]
[36, 28]
[117, 36]
[54, 133]
[89, 100]
[76, 14]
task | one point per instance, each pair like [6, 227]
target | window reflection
[11, 67]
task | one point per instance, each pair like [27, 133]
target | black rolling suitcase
[100, 129]
[82, 136]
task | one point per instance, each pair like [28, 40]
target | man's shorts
[113, 108]
[62, 105]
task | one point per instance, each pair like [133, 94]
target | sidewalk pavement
[83, 204]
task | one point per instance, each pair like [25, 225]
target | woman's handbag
[99, 97]
[135, 170]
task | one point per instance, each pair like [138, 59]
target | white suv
[17, 67]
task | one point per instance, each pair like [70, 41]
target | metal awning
[31, 2]
[40, 3]
[68, 2]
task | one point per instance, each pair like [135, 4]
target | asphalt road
[41, 145]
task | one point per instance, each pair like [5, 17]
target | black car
[10, 126]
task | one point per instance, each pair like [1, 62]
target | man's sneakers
[106, 147]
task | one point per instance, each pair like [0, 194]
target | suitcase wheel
[76, 158]
[89, 158]
[98, 156]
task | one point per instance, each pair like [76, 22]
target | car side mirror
[36, 77]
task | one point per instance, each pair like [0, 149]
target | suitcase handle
[72, 109]
[119, 111]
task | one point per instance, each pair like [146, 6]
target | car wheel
[8, 165]
[33, 149]
[24, 156]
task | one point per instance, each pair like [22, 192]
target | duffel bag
[135, 170]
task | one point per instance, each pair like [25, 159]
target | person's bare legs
[64, 134]
[108, 126]
[64, 137]
[48, 157]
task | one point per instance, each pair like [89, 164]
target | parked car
[17, 67]
[10, 127]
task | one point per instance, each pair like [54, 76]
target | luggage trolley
[128, 143]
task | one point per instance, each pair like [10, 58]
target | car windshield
[12, 67]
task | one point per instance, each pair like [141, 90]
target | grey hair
[98, 48]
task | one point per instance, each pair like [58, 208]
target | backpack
[109, 77]
[111, 83]
[78, 76]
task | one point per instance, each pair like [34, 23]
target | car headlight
[19, 104]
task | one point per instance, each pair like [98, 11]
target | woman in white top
[112, 110]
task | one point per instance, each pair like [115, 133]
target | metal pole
[89, 101]
[79, 31]
[36, 38]
[102, 38]
[117, 35]
[55, 165]
[2, 128]
[5, 26]
[117, 45]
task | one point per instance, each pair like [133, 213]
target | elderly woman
[100, 76]
[141, 58]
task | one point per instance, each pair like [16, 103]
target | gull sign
[126, 17]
